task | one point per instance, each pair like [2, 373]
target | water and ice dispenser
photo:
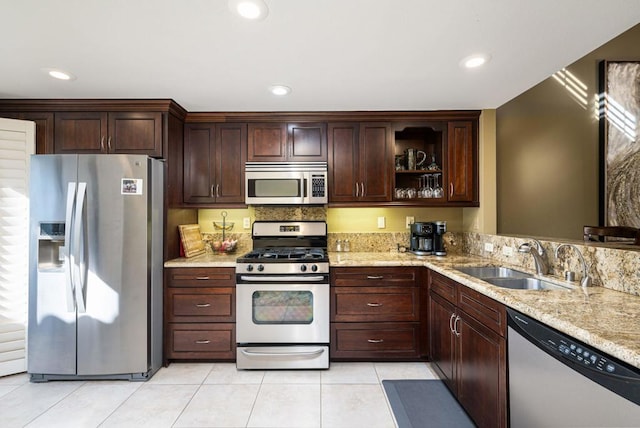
[51, 246]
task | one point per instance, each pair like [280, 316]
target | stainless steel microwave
[286, 183]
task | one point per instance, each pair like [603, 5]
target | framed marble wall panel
[619, 116]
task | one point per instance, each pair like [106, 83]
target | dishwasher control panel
[585, 356]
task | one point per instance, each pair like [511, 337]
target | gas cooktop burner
[286, 254]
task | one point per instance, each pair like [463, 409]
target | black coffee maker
[422, 238]
[440, 228]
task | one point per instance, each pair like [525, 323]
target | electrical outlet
[409, 220]
[488, 247]
[381, 223]
[507, 251]
[246, 222]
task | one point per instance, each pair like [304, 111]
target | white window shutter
[17, 144]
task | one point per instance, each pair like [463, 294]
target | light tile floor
[348, 395]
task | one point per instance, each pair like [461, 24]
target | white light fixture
[59, 74]
[280, 90]
[253, 10]
[475, 60]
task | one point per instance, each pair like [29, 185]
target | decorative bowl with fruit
[227, 246]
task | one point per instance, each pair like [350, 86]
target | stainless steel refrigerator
[95, 267]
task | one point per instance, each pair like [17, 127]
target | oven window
[282, 307]
[269, 188]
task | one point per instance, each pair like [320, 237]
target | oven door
[282, 313]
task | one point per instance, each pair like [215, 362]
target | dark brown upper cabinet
[112, 132]
[360, 162]
[214, 158]
[287, 142]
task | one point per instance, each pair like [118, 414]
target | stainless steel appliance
[421, 241]
[280, 183]
[95, 267]
[440, 228]
[282, 297]
[557, 381]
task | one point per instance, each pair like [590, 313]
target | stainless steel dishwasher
[557, 381]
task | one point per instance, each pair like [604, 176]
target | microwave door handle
[302, 188]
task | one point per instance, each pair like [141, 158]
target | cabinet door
[343, 161]
[267, 142]
[375, 162]
[307, 142]
[462, 163]
[80, 132]
[137, 133]
[230, 157]
[199, 155]
[482, 386]
[441, 338]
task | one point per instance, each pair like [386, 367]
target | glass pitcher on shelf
[412, 156]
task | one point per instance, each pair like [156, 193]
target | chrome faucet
[586, 279]
[538, 256]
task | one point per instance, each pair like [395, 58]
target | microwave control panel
[318, 185]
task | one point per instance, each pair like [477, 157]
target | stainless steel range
[282, 297]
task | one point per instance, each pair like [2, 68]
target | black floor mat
[424, 404]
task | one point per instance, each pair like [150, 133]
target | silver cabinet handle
[451, 323]
[362, 184]
[102, 143]
[375, 340]
[109, 143]
[451, 188]
[374, 305]
[211, 191]
[202, 342]
[203, 305]
[455, 327]
[375, 276]
[202, 278]
[357, 190]
[217, 190]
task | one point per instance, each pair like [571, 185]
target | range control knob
[260, 268]
[303, 268]
[249, 268]
[314, 268]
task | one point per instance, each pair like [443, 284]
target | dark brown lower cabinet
[200, 314]
[375, 314]
[468, 348]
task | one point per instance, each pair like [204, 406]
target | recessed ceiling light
[250, 9]
[280, 90]
[475, 60]
[59, 74]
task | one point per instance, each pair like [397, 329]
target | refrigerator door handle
[79, 247]
[68, 268]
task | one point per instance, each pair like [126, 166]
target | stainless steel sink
[482, 272]
[509, 278]
[524, 284]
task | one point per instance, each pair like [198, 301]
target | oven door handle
[282, 354]
[291, 278]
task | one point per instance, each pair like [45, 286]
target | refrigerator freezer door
[113, 332]
[52, 318]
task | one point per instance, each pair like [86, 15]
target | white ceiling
[335, 54]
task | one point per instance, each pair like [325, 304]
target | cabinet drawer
[375, 304]
[375, 340]
[442, 286]
[189, 341]
[487, 311]
[201, 277]
[367, 277]
[201, 304]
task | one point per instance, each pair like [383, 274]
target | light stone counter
[605, 319]
[204, 260]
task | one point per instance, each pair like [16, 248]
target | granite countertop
[605, 319]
